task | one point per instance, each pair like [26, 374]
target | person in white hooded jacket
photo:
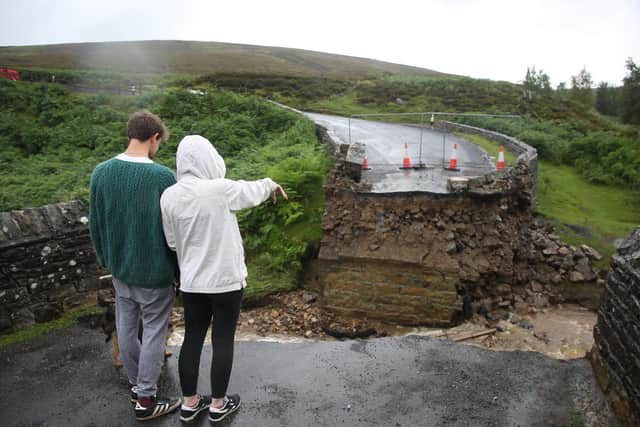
[199, 221]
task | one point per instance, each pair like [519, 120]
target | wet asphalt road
[385, 151]
[67, 379]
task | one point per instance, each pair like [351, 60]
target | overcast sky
[494, 39]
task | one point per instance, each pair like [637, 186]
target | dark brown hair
[143, 124]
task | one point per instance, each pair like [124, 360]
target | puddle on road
[563, 332]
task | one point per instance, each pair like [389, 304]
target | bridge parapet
[520, 178]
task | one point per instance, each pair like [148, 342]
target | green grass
[68, 318]
[599, 214]
[491, 147]
[576, 418]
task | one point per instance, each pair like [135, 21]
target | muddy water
[562, 332]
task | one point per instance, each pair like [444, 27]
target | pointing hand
[275, 193]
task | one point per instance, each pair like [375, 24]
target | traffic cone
[453, 161]
[365, 164]
[500, 164]
[406, 162]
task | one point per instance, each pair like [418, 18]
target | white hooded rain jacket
[198, 216]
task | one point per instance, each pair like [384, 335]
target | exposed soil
[561, 332]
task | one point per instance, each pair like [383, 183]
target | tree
[537, 81]
[561, 90]
[608, 100]
[581, 88]
[631, 94]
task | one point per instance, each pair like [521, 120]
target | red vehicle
[9, 73]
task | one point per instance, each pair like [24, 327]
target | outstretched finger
[281, 191]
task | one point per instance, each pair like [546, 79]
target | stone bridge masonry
[47, 264]
[431, 259]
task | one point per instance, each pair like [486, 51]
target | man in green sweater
[125, 223]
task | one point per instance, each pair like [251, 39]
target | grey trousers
[142, 361]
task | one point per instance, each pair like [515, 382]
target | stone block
[9, 228]
[22, 318]
[85, 284]
[12, 297]
[503, 289]
[5, 322]
[46, 312]
[457, 184]
[59, 292]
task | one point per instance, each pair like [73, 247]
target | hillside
[200, 57]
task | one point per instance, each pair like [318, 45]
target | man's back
[125, 221]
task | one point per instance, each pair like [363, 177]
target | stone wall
[47, 264]
[616, 353]
[521, 178]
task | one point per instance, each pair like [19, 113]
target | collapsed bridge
[433, 258]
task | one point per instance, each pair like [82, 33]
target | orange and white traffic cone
[406, 162]
[500, 164]
[365, 164]
[453, 161]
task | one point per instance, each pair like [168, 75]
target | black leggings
[201, 310]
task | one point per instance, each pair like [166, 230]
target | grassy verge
[67, 319]
[576, 418]
[585, 212]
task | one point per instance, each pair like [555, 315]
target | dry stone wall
[47, 264]
[616, 353]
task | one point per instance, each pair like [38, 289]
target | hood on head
[197, 157]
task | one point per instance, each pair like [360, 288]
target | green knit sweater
[125, 222]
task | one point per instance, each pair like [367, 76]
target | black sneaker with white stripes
[231, 404]
[158, 407]
[134, 394]
[189, 414]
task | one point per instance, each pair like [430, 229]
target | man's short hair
[143, 124]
